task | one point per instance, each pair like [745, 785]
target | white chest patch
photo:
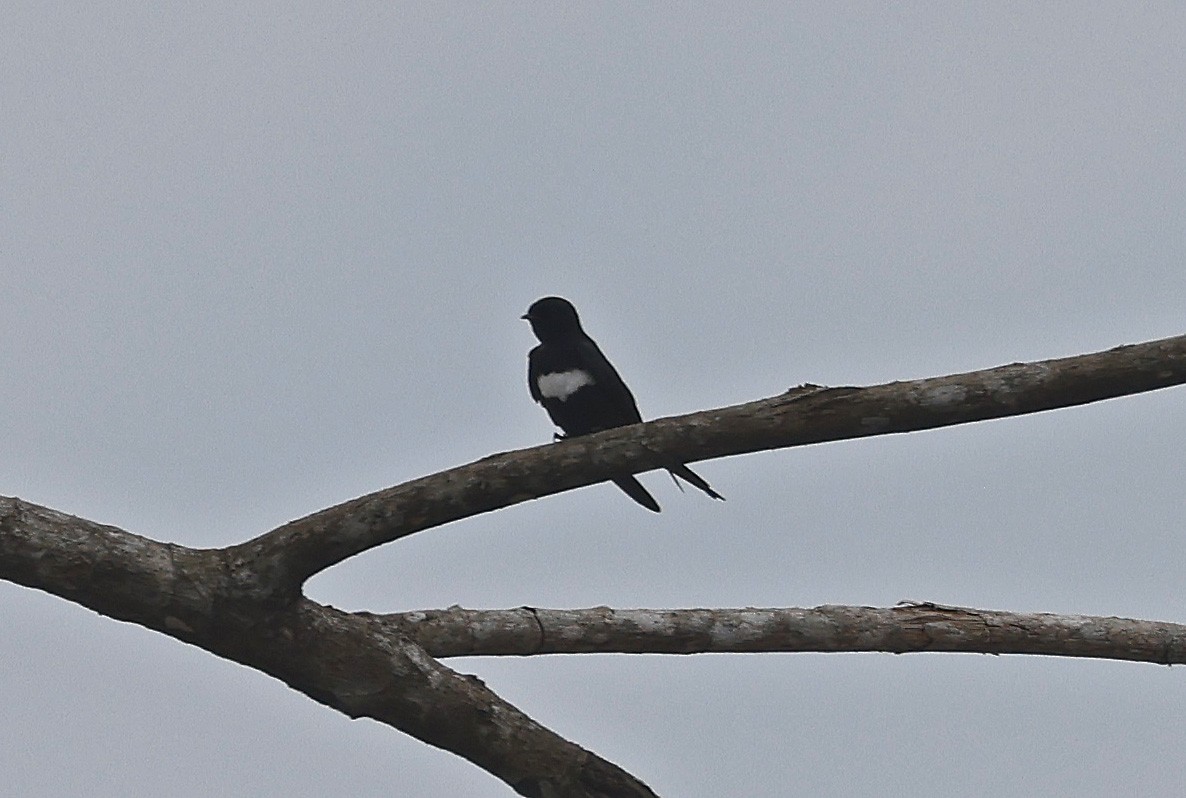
[563, 384]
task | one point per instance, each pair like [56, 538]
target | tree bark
[244, 602]
[910, 627]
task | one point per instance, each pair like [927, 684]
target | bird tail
[692, 478]
[636, 491]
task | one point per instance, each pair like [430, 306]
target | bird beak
[526, 317]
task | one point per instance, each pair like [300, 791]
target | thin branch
[294, 552]
[906, 628]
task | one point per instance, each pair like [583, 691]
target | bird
[582, 391]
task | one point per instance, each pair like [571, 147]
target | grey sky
[261, 258]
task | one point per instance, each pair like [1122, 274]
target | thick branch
[168, 588]
[343, 661]
[353, 664]
[907, 628]
[294, 552]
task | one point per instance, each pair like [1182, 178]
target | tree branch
[906, 628]
[244, 602]
[342, 660]
[299, 549]
[351, 663]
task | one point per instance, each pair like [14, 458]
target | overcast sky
[259, 258]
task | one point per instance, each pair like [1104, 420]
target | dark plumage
[581, 390]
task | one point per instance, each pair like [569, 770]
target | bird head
[553, 319]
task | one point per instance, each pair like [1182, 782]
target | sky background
[257, 259]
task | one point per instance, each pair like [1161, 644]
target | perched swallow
[580, 388]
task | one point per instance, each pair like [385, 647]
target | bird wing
[615, 392]
[533, 374]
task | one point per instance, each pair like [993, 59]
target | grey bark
[244, 602]
[910, 627]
